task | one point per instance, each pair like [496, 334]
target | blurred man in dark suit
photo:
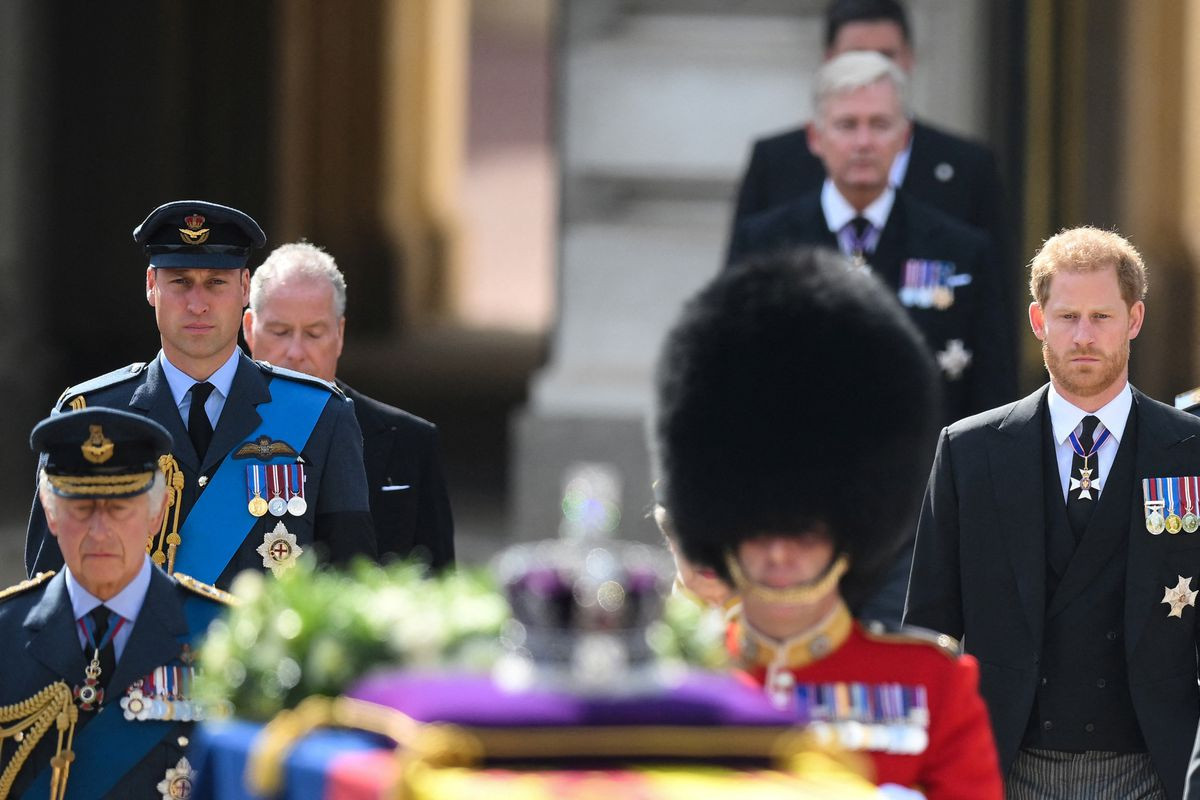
[942, 270]
[950, 173]
[297, 319]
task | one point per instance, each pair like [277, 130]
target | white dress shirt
[127, 603]
[838, 211]
[181, 386]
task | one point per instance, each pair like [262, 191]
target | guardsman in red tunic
[796, 413]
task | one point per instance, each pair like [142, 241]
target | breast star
[954, 359]
[1179, 596]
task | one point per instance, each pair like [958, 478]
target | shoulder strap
[26, 585]
[74, 394]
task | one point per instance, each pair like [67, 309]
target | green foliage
[315, 631]
[690, 633]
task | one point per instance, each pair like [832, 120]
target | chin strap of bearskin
[27, 722]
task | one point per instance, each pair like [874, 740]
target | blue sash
[106, 749]
[219, 521]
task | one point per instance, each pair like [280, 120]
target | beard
[1090, 380]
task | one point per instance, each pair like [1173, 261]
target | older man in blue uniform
[95, 691]
[267, 463]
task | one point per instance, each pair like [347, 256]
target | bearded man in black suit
[1058, 539]
[296, 319]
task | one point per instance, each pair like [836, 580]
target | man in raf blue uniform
[267, 462]
[95, 691]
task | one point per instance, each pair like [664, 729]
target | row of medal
[165, 694]
[283, 485]
[1172, 504]
[885, 717]
[930, 284]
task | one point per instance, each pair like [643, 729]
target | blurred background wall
[521, 192]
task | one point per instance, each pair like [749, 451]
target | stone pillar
[24, 66]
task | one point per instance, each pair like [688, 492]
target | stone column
[24, 74]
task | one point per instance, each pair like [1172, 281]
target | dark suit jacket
[38, 629]
[980, 572]
[916, 231]
[338, 516]
[400, 451]
[782, 169]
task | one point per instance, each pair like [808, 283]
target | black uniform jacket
[38, 628]
[979, 572]
[916, 231]
[952, 174]
[409, 502]
[337, 519]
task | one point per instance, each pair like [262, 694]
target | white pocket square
[395, 487]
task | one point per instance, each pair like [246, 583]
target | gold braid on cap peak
[99, 485]
[31, 719]
[792, 595]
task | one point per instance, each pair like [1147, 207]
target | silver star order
[1179, 596]
[279, 550]
[954, 359]
[177, 785]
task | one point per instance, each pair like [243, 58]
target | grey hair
[301, 259]
[157, 493]
[858, 69]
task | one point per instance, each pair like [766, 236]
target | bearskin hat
[794, 389]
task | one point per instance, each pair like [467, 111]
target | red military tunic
[878, 692]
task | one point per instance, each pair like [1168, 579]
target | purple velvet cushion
[706, 699]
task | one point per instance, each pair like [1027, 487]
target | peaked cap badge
[97, 448]
[195, 232]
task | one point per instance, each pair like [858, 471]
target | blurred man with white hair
[297, 319]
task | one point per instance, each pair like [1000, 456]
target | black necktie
[199, 428]
[1084, 494]
[860, 231]
[100, 616]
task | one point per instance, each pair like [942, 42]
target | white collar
[1065, 417]
[838, 211]
[900, 164]
[127, 602]
[181, 383]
